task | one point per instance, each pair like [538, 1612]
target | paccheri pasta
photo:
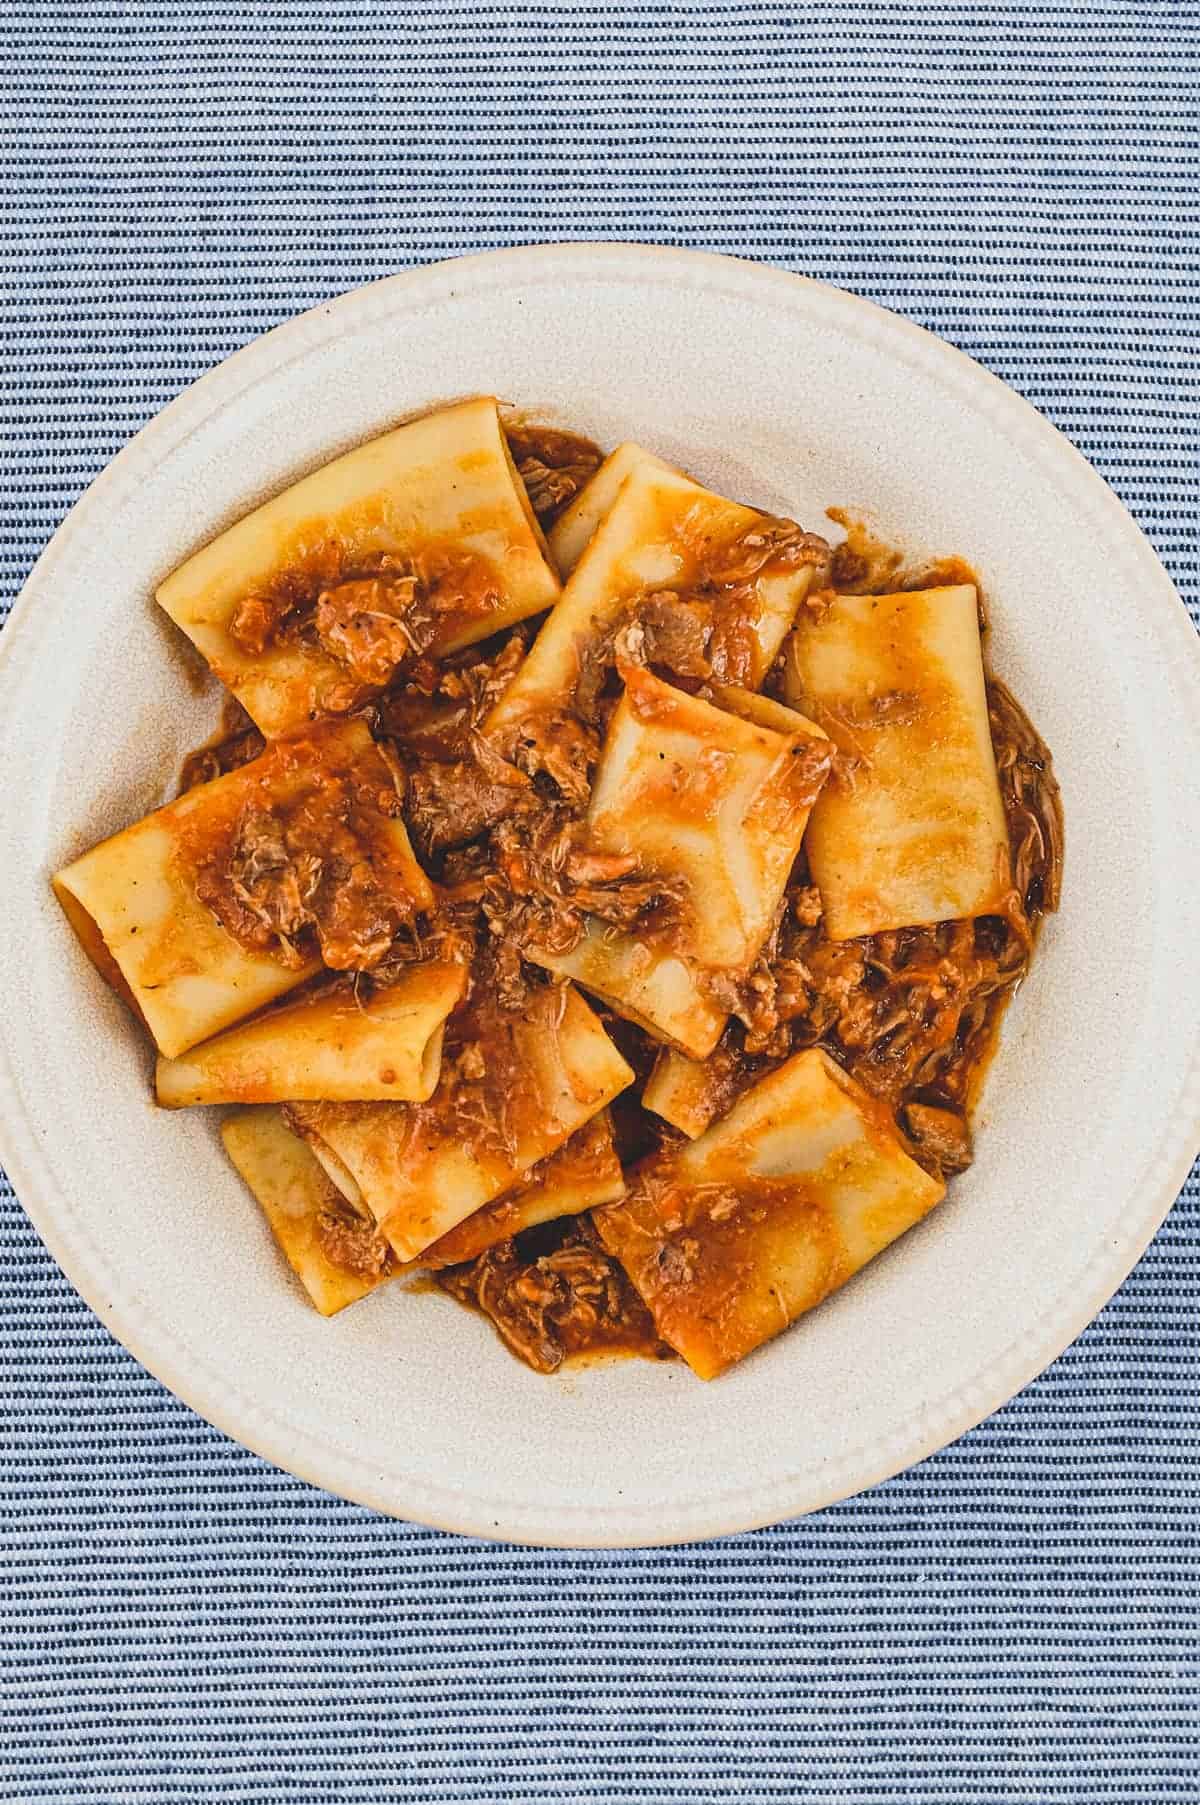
[568, 537]
[421, 541]
[331, 1046]
[244, 887]
[605, 898]
[512, 1091]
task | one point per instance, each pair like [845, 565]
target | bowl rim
[290, 1446]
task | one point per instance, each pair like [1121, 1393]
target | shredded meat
[942, 1139]
[910, 1010]
[273, 885]
[770, 543]
[432, 714]
[1032, 805]
[362, 623]
[312, 874]
[448, 804]
[676, 634]
[866, 565]
[753, 997]
[458, 784]
[666, 631]
[481, 683]
[371, 615]
[510, 975]
[553, 465]
[546, 880]
[450, 933]
[670, 632]
[730, 576]
[228, 753]
[571, 1298]
[348, 1240]
[256, 620]
[563, 749]
[596, 688]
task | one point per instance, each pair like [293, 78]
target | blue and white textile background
[1018, 1619]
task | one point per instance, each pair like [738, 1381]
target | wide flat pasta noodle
[679, 1090]
[584, 1173]
[714, 802]
[662, 534]
[133, 899]
[650, 984]
[572, 531]
[337, 1258]
[711, 800]
[911, 830]
[419, 1169]
[326, 1048]
[439, 495]
[731, 1237]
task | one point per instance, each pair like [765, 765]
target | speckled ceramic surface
[790, 395]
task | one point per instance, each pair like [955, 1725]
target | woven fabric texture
[1017, 1620]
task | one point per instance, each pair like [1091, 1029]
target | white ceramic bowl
[788, 394]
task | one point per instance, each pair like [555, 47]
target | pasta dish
[602, 897]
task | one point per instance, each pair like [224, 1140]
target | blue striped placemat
[1015, 1621]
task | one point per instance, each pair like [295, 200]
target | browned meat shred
[554, 1292]
[553, 465]
[910, 1010]
[866, 565]
[432, 715]
[546, 881]
[256, 620]
[561, 748]
[770, 542]
[362, 623]
[942, 1138]
[310, 875]
[482, 682]
[272, 883]
[676, 634]
[348, 1240]
[236, 743]
[448, 804]
[1032, 805]
[458, 784]
[449, 933]
[372, 615]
